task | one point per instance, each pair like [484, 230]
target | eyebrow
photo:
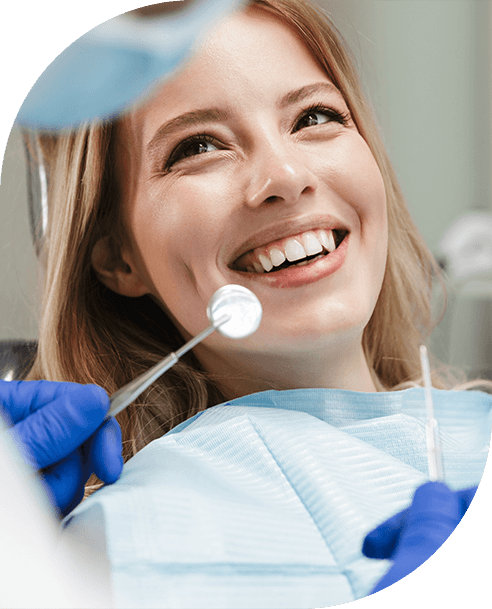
[210, 115]
[299, 94]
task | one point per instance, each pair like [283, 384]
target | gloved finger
[434, 514]
[382, 541]
[56, 430]
[18, 398]
[432, 517]
[466, 496]
[65, 482]
[105, 452]
[21, 398]
[428, 522]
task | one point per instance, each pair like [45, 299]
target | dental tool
[234, 311]
[432, 430]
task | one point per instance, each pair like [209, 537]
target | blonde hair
[89, 334]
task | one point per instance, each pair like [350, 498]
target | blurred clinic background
[426, 69]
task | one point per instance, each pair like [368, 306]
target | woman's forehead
[250, 54]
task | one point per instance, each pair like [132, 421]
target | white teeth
[265, 263]
[327, 240]
[294, 250]
[276, 256]
[311, 244]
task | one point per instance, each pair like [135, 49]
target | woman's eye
[190, 148]
[318, 116]
[194, 148]
[314, 118]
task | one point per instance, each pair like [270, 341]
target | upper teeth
[292, 249]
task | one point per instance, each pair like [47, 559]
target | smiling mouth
[298, 250]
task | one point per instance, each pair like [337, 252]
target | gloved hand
[117, 64]
[413, 535]
[61, 430]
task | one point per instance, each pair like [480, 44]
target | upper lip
[286, 228]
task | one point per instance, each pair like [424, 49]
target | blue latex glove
[413, 535]
[61, 430]
[115, 65]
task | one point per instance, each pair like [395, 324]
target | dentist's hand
[413, 535]
[61, 430]
[118, 63]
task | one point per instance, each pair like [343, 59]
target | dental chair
[16, 358]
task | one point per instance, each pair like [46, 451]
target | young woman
[259, 164]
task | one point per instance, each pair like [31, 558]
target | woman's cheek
[365, 189]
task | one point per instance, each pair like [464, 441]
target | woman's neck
[239, 373]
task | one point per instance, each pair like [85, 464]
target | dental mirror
[243, 308]
[233, 310]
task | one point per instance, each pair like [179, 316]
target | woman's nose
[278, 175]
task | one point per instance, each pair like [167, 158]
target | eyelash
[339, 117]
[198, 138]
[342, 118]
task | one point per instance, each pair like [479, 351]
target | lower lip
[297, 276]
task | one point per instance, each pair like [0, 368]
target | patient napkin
[264, 501]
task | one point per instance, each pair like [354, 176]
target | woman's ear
[116, 274]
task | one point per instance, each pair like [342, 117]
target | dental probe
[234, 311]
[432, 429]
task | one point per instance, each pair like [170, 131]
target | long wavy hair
[89, 334]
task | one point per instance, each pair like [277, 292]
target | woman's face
[247, 158]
